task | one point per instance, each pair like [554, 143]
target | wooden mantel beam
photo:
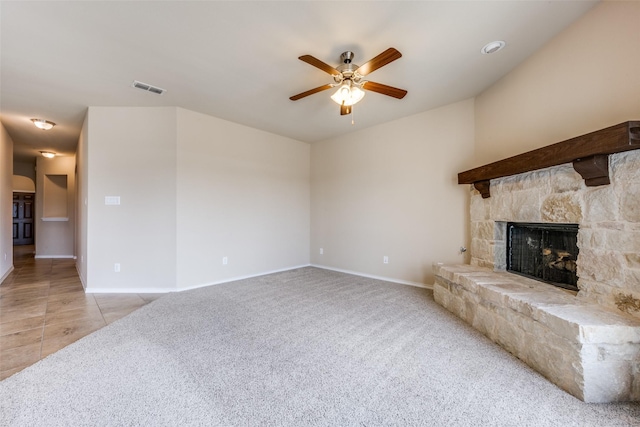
[588, 153]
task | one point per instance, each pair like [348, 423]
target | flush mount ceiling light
[43, 124]
[48, 154]
[492, 47]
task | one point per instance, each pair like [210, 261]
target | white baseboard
[90, 290]
[372, 276]
[128, 290]
[251, 276]
[55, 257]
[6, 274]
[165, 290]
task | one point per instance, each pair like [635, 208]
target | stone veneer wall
[608, 215]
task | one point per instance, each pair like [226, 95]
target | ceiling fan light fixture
[348, 95]
[43, 124]
[492, 47]
[48, 154]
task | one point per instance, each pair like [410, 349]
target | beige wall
[586, 78]
[82, 202]
[243, 194]
[6, 197]
[27, 169]
[391, 190]
[55, 239]
[193, 189]
[22, 184]
[131, 153]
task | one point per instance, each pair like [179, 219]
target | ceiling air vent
[148, 87]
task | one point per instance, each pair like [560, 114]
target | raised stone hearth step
[585, 349]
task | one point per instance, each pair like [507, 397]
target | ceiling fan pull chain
[352, 120]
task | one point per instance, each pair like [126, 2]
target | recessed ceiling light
[492, 47]
[43, 124]
[48, 154]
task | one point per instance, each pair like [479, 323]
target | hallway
[44, 308]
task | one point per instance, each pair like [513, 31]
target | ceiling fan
[349, 77]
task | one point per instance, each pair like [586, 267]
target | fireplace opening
[546, 252]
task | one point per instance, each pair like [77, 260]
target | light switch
[111, 200]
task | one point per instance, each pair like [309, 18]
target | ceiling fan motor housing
[347, 57]
[347, 68]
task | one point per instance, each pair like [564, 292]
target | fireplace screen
[546, 252]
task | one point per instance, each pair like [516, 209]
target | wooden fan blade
[381, 60]
[310, 92]
[319, 64]
[345, 109]
[384, 89]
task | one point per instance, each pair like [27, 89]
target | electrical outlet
[385, 259]
[225, 260]
[116, 267]
[321, 251]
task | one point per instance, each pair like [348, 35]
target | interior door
[23, 211]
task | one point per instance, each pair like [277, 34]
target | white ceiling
[238, 61]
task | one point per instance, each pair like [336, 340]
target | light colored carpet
[303, 347]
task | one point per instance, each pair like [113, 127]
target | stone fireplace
[608, 218]
[585, 340]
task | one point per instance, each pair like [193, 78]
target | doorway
[23, 212]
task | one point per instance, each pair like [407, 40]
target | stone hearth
[588, 343]
[585, 349]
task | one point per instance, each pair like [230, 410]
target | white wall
[6, 203]
[242, 194]
[55, 239]
[131, 153]
[392, 190]
[585, 79]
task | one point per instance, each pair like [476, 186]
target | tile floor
[44, 308]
